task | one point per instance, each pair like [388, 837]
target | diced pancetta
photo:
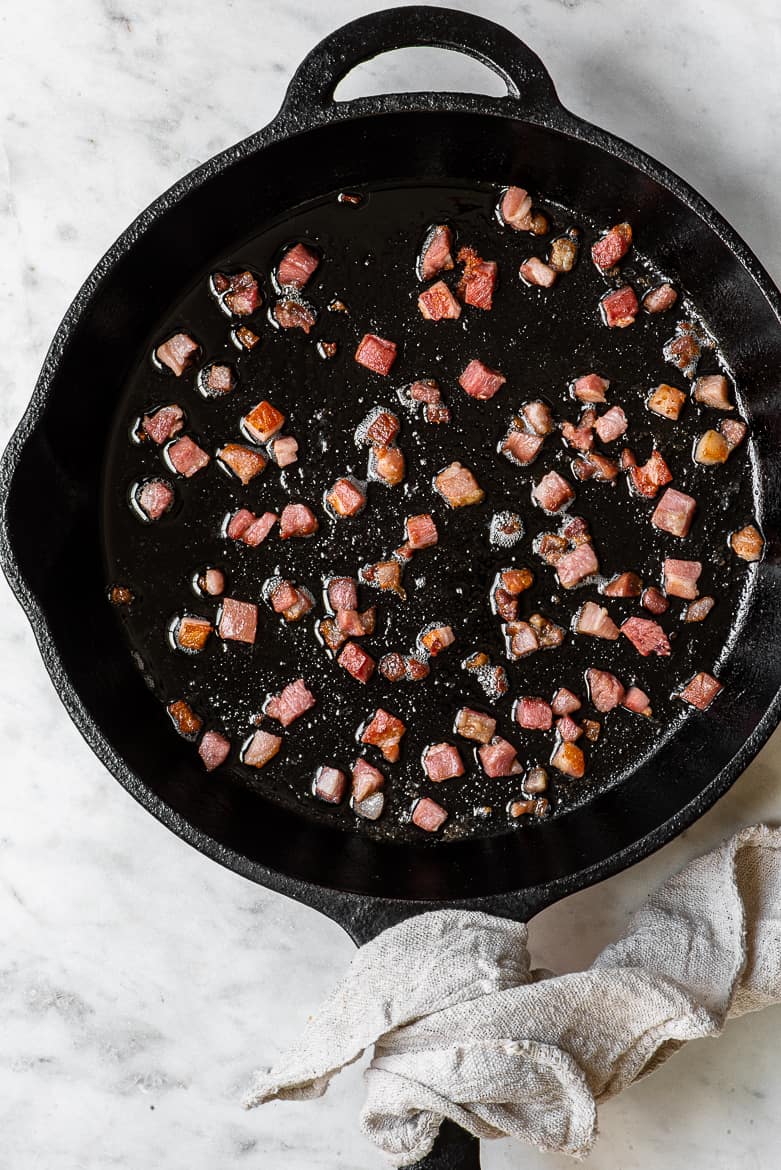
[666, 401]
[385, 732]
[522, 639]
[569, 760]
[681, 577]
[536, 272]
[747, 543]
[261, 748]
[533, 713]
[329, 784]
[553, 492]
[154, 498]
[186, 457]
[521, 446]
[238, 292]
[651, 476]
[216, 380]
[442, 761]
[619, 307]
[354, 624]
[590, 388]
[345, 498]
[646, 636]
[164, 423]
[515, 209]
[385, 575]
[674, 512]
[605, 690]
[244, 462]
[576, 566]
[342, 593]
[624, 585]
[594, 620]
[428, 815]
[290, 601]
[654, 600]
[376, 353]
[481, 382]
[297, 266]
[660, 298]
[437, 303]
[568, 729]
[435, 255]
[184, 719]
[355, 660]
[612, 247]
[381, 430]
[437, 639]
[701, 690]
[711, 449]
[684, 350]
[294, 701]
[284, 450]
[733, 431]
[564, 703]
[458, 486]
[421, 531]
[477, 284]
[213, 749]
[238, 620]
[263, 422]
[637, 701]
[713, 390]
[499, 758]
[366, 779]
[177, 353]
[387, 465]
[563, 253]
[290, 313]
[474, 725]
[297, 520]
[212, 582]
[699, 609]
[611, 425]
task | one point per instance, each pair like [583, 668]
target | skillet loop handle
[311, 92]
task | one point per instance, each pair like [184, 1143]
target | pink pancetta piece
[522, 447]
[553, 492]
[594, 619]
[284, 450]
[291, 704]
[637, 702]
[568, 729]
[178, 353]
[646, 636]
[537, 417]
[421, 531]
[239, 523]
[651, 476]
[569, 759]
[292, 603]
[537, 272]
[256, 532]
[261, 748]
[238, 291]
[385, 732]
[477, 285]
[654, 600]
[577, 565]
[435, 255]
[624, 585]
[442, 761]
[437, 303]
[533, 713]
[581, 437]
[297, 266]
[475, 725]
[713, 390]
[214, 750]
[212, 582]
[353, 624]
[613, 246]
[605, 690]
[481, 382]
[681, 577]
[523, 639]
[186, 457]
[499, 758]
[345, 498]
[428, 815]
[733, 431]
[297, 520]
[674, 512]
[516, 209]
[238, 621]
[376, 353]
[330, 784]
[701, 690]
[565, 702]
[154, 498]
[366, 779]
[590, 388]
[611, 425]
[620, 307]
[659, 299]
[357, 662]
[342, 593]
[164, 423]
[458, 486]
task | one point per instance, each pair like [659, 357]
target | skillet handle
[310, 94]
[454, 1149]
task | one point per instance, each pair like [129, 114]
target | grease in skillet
[423, 518]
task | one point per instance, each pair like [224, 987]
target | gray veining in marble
[140, 983]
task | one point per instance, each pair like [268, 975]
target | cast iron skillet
[313, 146]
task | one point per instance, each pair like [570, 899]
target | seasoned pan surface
[540, 340]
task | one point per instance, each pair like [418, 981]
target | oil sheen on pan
[362, 450]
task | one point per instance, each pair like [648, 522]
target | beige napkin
[462, 1027]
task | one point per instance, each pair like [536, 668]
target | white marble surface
[139, 983]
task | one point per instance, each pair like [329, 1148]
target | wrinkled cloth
[462, 1027]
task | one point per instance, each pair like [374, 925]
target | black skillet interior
[313, 147]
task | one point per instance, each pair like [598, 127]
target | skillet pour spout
[362, 882]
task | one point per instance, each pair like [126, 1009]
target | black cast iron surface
[540, 340]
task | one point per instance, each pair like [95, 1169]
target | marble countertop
[139, 982]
